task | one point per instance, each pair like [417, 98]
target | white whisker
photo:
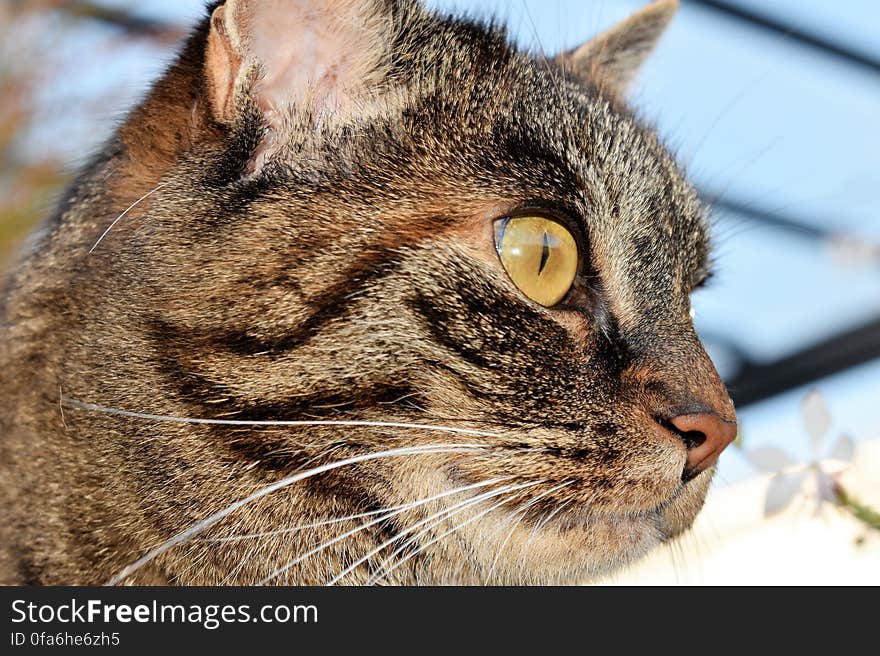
[386, 512]
[415, 538]
[204, 524]
[543, 53]
[345, 535]
[71, 403]
[535, 529]
[126, 211]
[386, 572]
[446, 512]
[516, 518]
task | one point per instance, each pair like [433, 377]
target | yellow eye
[539, 255]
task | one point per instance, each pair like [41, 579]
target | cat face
[414, 224]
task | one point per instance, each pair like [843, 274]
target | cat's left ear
[614, 57]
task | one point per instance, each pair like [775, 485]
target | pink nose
[705, 436]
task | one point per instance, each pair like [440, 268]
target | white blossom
[789, 475]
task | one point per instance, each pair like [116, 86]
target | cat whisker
[546, 519]
[386, 571]
[516, 519]
[126, 211]
[430, 521]
[72, 403]
[414, 539]
[322, 454]
[250, 557]
[354, 531]
[201, 526]
[385, 512]
[543, 53]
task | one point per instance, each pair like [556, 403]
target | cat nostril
[691, 439]
[705, 436]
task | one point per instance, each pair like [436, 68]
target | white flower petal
[817, 419]
[769, 459]
[844, 449]
[781, 490]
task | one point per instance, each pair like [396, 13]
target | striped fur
[349, 277]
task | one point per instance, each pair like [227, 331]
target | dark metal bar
[751, 212]
[814, 41]
[755, 383]
[122, 19]
[743, 211]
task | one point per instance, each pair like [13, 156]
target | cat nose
[705, 435]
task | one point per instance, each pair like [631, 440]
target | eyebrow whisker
[126, 211]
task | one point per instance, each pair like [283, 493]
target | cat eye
[539, 254]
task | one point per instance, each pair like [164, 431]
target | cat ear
[312, 55]
[615, 56]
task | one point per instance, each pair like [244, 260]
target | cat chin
[578, 549]
[677, 515]
[553, 556]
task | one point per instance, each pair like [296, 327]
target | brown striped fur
[344, 272]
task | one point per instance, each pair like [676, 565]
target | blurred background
[772, 107]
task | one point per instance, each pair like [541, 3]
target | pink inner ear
[318, 52]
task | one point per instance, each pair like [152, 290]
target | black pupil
[545, 253]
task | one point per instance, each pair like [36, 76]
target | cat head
[366, 212]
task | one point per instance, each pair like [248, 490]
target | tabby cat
[362, 293]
